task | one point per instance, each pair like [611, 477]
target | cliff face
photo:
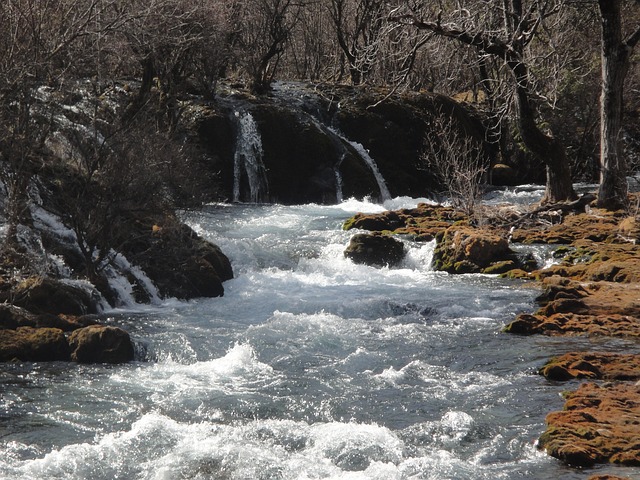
[323, 144]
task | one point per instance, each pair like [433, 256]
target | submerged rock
[375, 250]
[101, 344]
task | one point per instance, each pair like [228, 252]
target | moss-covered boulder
[180, 263]
[462, 249]
[375, 250]
[101, 344]
[49, 295]
[28, 344]
[422, 223]
[599, 424]
[593, 365]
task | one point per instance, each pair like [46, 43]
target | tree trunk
[550, 151]
[615, 63]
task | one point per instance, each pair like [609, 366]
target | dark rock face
[309, 140]
[375, 250]
[101, 344]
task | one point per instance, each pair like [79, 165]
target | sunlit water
[310, 367]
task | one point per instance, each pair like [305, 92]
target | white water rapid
[310, 367]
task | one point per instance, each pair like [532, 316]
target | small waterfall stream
[248, 161]
[363, 153]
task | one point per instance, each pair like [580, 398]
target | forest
[555, 81]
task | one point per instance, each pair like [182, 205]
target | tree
[458, 161]
[616, 51]
[504, 30]
[36, 40]
[357, 24]
[265, 27]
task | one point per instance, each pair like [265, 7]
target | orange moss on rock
[423, 223]
[600, 424]
[594, 366]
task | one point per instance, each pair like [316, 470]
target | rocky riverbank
[594, 290]
[52, 318]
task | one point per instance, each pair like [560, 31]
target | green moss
[499, 267]
[349, 222]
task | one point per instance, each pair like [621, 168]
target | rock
[29, 344]
[462, 249]
[375, 250]
[598, 425]
[629, 229]
[101, 344]
[12, 317]
[502, 174]
[593, 365]
[583, 308]
[607, 477]
[573, 324]
[48, 295]
[180, 263]
[597, 228]
[376, 222]
[422, 223]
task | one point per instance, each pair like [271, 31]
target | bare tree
[358, 24]
[265, 27]
[36, 39]
[504, 30]
[457, 160]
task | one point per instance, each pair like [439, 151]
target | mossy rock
[48, 295]
[29, 344]
[375, 250]
[463, 249]
[101, 344]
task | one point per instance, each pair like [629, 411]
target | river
[310, 367]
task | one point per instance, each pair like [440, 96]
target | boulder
[29, 344]
[462, 249]
[599, 424]
[593, 365]
[502, 174]
[180, 263]
[101, 344]
[12, 317]
[49, 295]
[375, 250]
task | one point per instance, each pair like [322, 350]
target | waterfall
[248, 161]
[371, 163]
[339, 197]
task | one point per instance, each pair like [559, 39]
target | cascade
[248, 161]
[371, 163]
[336, 170]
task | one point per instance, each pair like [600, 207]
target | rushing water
[309, 367]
